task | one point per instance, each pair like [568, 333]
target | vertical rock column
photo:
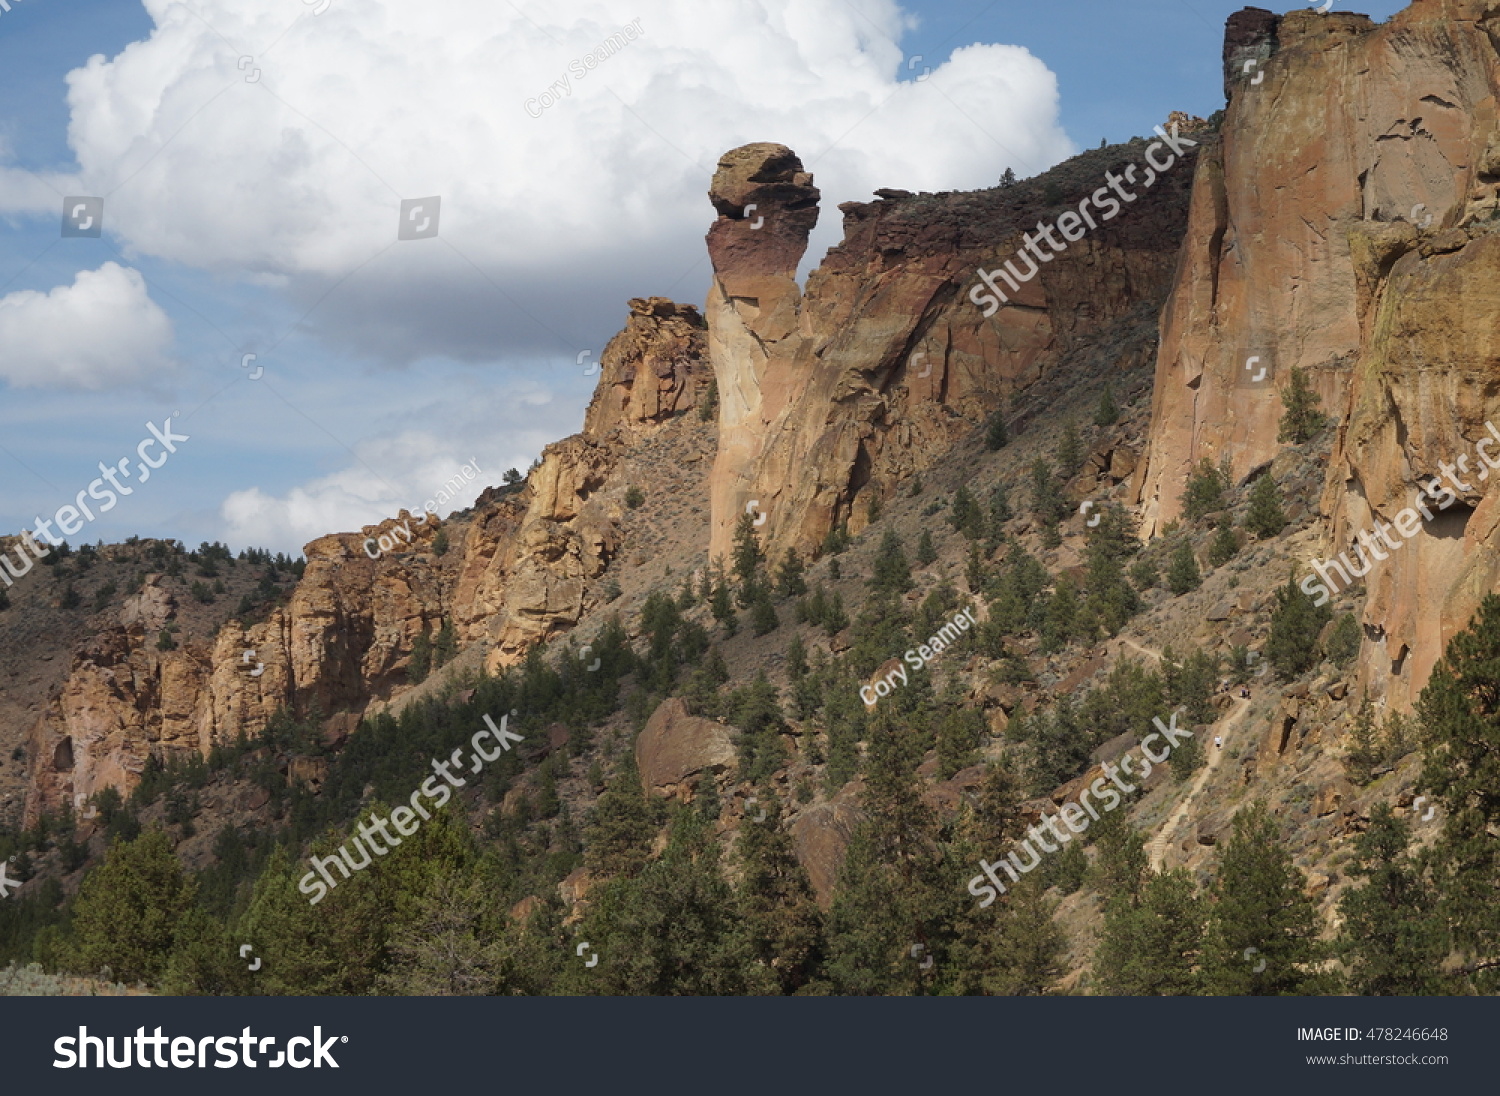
[767, 205]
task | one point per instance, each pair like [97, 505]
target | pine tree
[1263, 932]
[1265, 518]
[958, 739]
[1393, 942]
[1204, 493]
[926, 551]
[1460, 714]
[1069, 452]
[419, 665]
[452, 943]
[1182, 575]
[1149, 948]
[747, 559]
[789, 581]
[887, 900]
[672, 930]
[1363, 754]
[1295, 623]
[1008, 178]
[128, 910]
[763, 618]
[722, 602]
[621, 826]
[775, 901]
[796, 658]
[996, 436]
[1111, 599]
[891, 573]
[1046, 498]
[1000, 513]
[1120, 869]
[446, 645]
[1107, 413]
[204, 960]
[1302, 417]
[966, 516]
[1061, 623]
[1224, 546]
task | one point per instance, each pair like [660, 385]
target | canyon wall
[1344, 226]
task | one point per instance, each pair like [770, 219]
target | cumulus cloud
[290, 167]
[103, 331]
[404, 467]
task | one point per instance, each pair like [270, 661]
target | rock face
[517, 572]
[832, 397]
[675, 748]
[1345, 226]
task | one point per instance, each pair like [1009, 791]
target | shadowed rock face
[829, 399]
[1309, 245]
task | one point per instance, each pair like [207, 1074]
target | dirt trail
[1221, 728]
[1215, 755]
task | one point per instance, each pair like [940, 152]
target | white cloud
[353, 497]
[102, 331]
[298, 175]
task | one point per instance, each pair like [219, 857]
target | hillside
[728, 754]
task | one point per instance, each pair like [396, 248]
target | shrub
[635, 498]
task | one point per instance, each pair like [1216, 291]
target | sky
[241, 272]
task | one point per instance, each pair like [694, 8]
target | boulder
[676, 747]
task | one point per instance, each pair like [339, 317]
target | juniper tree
[789, 581]
[1295, 624]
[891, 573]
[128, 910]
[1107, 413]
[1182, 574]
[966, 515]
[996, 435]
[1302, 417]
[1224, 546]
[1265, 517]
[1204, 493]
[926, 551]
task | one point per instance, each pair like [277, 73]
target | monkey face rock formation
[1344, 226]
[885, 362]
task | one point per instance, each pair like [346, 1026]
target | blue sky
[252, 155]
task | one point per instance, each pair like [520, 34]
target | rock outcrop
[829, 399]
[1345, 226]
[517, 571]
